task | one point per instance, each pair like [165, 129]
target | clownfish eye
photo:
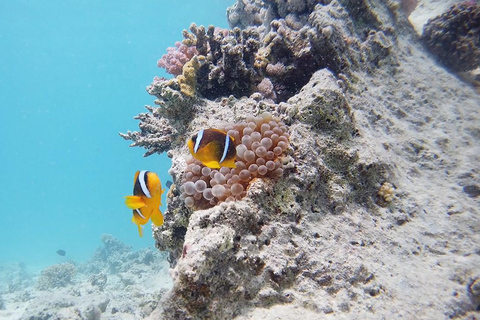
[194, 138]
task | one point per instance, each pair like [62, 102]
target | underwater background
[365, 205]
[72, 75]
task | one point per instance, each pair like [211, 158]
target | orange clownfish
[146, 199]
[213, 148]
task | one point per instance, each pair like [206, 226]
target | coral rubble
[117, 283]
[342, 80]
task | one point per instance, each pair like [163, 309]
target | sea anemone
[260, 143]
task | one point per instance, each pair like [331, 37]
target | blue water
[72, 75]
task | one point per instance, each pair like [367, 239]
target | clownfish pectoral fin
[157, 217]
[134, 202]
[140, 230]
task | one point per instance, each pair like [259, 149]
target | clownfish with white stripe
[146, 199]
[213, 148]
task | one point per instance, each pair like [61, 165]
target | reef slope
[377, 213]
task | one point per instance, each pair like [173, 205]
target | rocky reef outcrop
[373, 216]
[454, 37]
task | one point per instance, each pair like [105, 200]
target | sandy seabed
[117, 283]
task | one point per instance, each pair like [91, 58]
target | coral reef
[117, 283]
[361, 104]
[57, 276]
[239, 233]
[115, 257]
[277, 58]
[272, 63]
[15, 277]
[454, 37]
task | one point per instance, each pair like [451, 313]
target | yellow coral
[261, 58]
[189, 40]
[387, 192]
[188, 79]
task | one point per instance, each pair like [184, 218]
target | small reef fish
[146, 199]
[61, 253]
[213, 148]
[169, 184]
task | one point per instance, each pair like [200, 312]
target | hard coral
[386, 192]
[188, 79]
[286, 41]
[176, 57]
[454, 37]
[229, 63]
[56, 276]
[156, 133]
[261, 141]
[244, 14]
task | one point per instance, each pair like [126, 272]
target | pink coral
[265, 87]
[176, 57]
[276, 70]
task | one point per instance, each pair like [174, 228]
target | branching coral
[229, 60]
[156, 133]
[296, 38]
[188, 79]
[261, 142]
[161, 126]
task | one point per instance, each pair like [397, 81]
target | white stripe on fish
[143, 185]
